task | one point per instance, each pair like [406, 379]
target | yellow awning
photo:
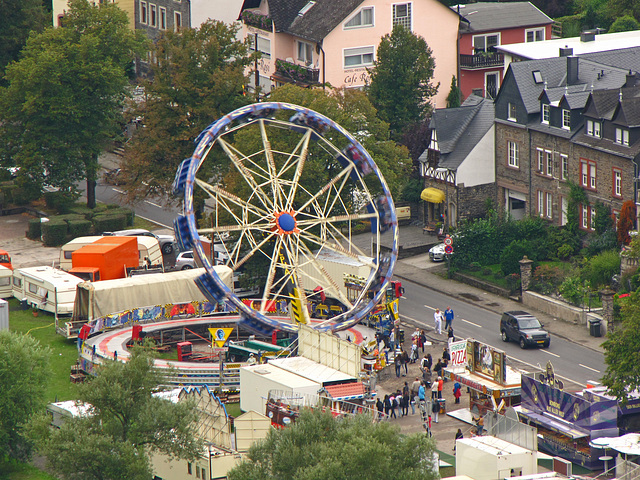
[432, 195]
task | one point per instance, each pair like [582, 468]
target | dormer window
[364, 18]
[593, 129]
[622, 136]
[546, 112]
[512, 112]
[566, 119]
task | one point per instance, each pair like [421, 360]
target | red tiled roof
[345, 390]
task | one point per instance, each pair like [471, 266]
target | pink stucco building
[335, 41]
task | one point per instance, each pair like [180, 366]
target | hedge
[79, 228]
[127, 212]
[54, 232]
[109, 223]
[35, 230]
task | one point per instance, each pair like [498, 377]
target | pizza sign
[458, 352]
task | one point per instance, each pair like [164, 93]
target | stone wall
[555, 308]
[472, 200]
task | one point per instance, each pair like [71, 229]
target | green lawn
[10, 470]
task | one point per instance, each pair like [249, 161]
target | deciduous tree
[24, 370]
[320, 446]
[626, 222]
[197, 78]
[401, 79]
[65, 95]
[123, 426]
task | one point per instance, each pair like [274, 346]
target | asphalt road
[570, 360]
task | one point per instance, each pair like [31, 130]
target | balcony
[481, 60]
[289, 72]
[263, 22]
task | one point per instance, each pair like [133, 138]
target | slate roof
[320, 19]
[483, 17]
[604, 102]
[460, 129]
[628, 111]
[554, 74]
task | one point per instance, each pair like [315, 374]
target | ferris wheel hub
[286, 223]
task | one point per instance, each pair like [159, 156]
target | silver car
[436, 253]
[185, 260]
[167, 242]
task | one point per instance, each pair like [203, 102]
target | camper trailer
[148, 247]
[5, 282]
[46, 288]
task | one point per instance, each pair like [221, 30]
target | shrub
[61, 201]
[127, 212]
[573, 289]
[599, 269]
[565, 251]
[474, 266]
[599, 243]
[54, 232]
[109, 223]
[513, 282]
[35, 231]
[511, 256]
[79, 228]
[486, 271]
[546, 279]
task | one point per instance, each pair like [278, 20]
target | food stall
[483, 370]
[567, 422]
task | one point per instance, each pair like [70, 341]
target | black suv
[524, 328]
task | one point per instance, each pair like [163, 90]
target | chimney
[572, 70]
[566, 51]
[632, 79]
[588, 36]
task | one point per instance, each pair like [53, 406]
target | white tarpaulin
[97, 299]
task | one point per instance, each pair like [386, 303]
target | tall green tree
[197, 78]
[64, 101]
[622, 352]
[24, 371]
[123, 427]
[320, 446]
[20, 18]
[400, 84]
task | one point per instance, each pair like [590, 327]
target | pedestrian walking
[427, 363]
[406, 400]
[457, 392]
[397, 361]
[414, 352]
[438, 368]
[434, 390]
[423, 340]
[405, 363]
[440, 386]
[422, 393]
[446, 358]
[387, 406]
[380, 408]
[448, 318]
[427, 425]
[394, 405]
[452, 338]
[436, 410]
[437, 317]
[458, 436]
[392, 338]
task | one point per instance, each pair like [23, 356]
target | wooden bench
[429, 228]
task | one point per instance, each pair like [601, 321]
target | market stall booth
[567, 422]
[483, 370]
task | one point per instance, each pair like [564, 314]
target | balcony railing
[257, 20]
[294, 73]
[481, 60]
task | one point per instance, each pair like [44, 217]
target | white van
[147, 247]
[6, 275]
[46, 288]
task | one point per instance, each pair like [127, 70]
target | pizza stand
[491, 384]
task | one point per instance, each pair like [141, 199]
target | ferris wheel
[284, 187]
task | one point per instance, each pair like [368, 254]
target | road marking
[154, 204]
[117, 190]
[470, 323]
[551, 353]
[589, 368]
[154, 221]
[427, 306]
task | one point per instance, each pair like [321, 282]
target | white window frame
[264, 45]
[566, 119]
[585, 217]
[534, 32]
[549, 205]
[513, 154]
[564, 166]
[512, 112]
[497, 77]
[304, 52]
[163, 18]
[484, 38]
[617, 182]
[177, 21]
[351, 23]
[548, 154]
[592, 218]
[540, 153]
[406, 20]
[540, 203]
[622, 136]
[153, 15]
[358, 52]
[593, 129]
[588, 174]
[546, 113]
[144, 13]
[33, 288]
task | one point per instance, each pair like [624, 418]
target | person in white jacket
[438, 318]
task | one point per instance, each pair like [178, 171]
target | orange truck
[106, 259]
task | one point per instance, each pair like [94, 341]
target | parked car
[167, 242]
[113, 177]
[185, 260]
[436, 253]
[523, 328]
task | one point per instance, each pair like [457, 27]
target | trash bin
[24, 304]
[594, 327]
[442, 403]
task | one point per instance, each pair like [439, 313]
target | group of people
[447, 317]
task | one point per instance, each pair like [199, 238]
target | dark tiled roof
[606, 145]
[629, 110]
[627, 58]
[460, 129]
[604, 103]
[320, 19]
[554, 74]
[493, 16]
[283, 12]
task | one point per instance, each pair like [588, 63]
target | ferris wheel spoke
[325, 188]
[302, 158]
[330, 281]
[246, 172]
[255, 247]
[329, 207]
[336, 247]
[216, 192]
[276, 189]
